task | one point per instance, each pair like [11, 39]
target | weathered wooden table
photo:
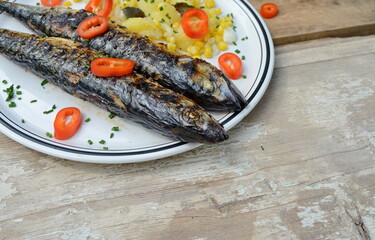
[301, 165]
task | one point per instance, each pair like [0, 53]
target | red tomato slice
[269, 10]
[92, 26]
[111, 67]
[100, 7]
[194, 22]
[63, 129]
[50, 3]
[231, 65]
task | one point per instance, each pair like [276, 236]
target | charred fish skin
[64, 63]
[195, 78]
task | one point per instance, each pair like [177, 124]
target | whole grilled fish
[65, 64]
[195, 78]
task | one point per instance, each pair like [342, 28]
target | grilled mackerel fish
[64, 63]
[195, 78]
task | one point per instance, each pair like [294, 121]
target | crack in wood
[356, 218]
[224, 208]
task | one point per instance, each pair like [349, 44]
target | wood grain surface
[300, 20]
[301, 165]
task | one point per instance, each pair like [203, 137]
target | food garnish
[231, 65]
[111, 67]
[66, 128]
[269, 10]
[50, 3]
[194, 22]
[100, 7]
[92, 26]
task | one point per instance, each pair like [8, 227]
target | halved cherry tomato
[65, 128]
[50, 3]
[100, 7]
[269, 10]
[92, 26]
[111, 67]
[194, 22]
[231, 65]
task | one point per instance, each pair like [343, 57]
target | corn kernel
[219, 38]
[207, 52]
[218, 11]
[67, 4]
[172, 40]
[157, 23]
[222, 46]
[175, 25]
[196, 3]
[197, 56]
[77, 1]
[171, 46]
[199, 44]
[224, 25]
[220, 30]
[209, 3]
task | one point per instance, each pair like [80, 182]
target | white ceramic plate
[27, 124]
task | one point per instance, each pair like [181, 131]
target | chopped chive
[243, 57]
[43, 36]
[73, 26]
[105, 148]
[237, 51]
[87, 120]
[262, 148]
[89, 142]
[51, 110]
[152, 1]
[161, 8]
[102, 141]
[44, 82]
[37, 4]
[111, 115]
[111, 136]
[115, 129]
[244, 76]
[5, 81]
[86, 40]
[87, 66]
[33, 101]
[19, 92]
[22, 121]
[18, 87]
[10, 92]
[234, 43]
[12, 104]
[48, 134]
[20, 98]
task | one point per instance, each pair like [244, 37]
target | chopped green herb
[51, 110]
[262, 148]
[115, 129]
[22, 121]
[87, 66]
[37, 4]
[44, 82]
[18, 87]
[234, 28]
[48, 134]
[73, 26]
[111, 136]
[87, 120]
[237, 51]
[244, 76]
[217, 17]
[89, 142]
[167, 15]
[20, 98]
[102, 141]
[234, 43]
[19, 92]
[10, 92]
[86, 40]
[12, 104]
[33, 101]
[152, 1]
[5, 81]
[105, 148]
[162, 20]
[111, 115]
[243, 57]
[43, 36]
[161, 8]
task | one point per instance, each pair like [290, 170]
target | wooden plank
[300, 166]
[300, 20]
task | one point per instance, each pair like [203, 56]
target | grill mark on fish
[133, 96]
[195, 78]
